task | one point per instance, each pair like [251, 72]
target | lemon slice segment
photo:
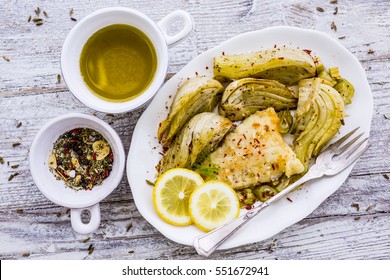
[213, 204]
[171, 194]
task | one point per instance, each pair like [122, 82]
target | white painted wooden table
[354, 223]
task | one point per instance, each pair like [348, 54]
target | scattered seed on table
[356, 205]
[13, 176]
[333, 26]
[86, 240]
[129, 226]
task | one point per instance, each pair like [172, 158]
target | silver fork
[330, 161]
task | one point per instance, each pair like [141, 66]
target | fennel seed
[129, 226]
[336, 10]
[1, 160]
[29, 18]
[13, 176]
[320, 9]
[6, 58]
[150, 183]
[370, 51]
[16, 144]
[58, 79]
[70, 12]
[37, 11]
[19, 125]
[72, 18]
[356, 205]
[90, 249]
[386, 176]
[333, 26]
[15, 166]
[86, 240]
[45, 14]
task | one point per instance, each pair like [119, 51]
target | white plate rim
[311, 192]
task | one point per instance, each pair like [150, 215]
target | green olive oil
[118, 63]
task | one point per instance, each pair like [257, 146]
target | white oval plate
[145, 150]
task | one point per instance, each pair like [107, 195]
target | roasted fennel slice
[318, 117]
[346, 90]
[244, 97]
[286, 121]
[195, 141]
[285, 65]
[196, 95]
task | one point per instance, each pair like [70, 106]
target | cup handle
[79, 226]
[165, 23]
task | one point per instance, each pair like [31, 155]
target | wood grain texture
[30, 95]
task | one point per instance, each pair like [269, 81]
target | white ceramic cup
[157, 33]
[55, 190]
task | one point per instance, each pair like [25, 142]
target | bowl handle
[79, 226]
[169, 19]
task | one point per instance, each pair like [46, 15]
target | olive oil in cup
[118, 62]
[114, 60]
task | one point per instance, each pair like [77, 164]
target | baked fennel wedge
[318, 118]
[244, 97]
[196, 140]
[196, 95]
[286, 65]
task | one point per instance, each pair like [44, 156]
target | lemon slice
[213, 204]
[171, 194]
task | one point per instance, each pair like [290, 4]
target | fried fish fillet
[254, 153]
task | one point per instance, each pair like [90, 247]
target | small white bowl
[55, 190]
[156, 32]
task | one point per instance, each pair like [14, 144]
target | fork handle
[207, 243]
